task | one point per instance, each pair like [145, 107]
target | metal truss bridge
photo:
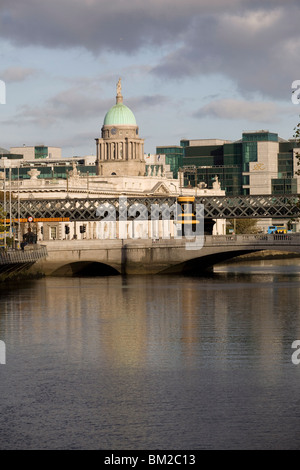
[215, 207]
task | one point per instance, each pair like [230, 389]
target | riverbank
[21, 276]
[264, 255]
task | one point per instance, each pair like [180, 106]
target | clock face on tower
[114, 131]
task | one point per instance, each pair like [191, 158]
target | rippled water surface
[161, 362]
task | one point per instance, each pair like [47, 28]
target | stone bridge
[137, 256]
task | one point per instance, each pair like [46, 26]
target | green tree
[244, 226]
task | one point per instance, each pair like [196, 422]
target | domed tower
[120, 151]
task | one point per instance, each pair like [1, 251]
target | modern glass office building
[174, 157]
[47, 160]
[259, 163]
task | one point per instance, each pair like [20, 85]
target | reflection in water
[152, 362]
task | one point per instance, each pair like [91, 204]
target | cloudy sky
[190, 69]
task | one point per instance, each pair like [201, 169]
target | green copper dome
[119, 114]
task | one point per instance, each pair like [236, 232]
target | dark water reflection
[160, 362]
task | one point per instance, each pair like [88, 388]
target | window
[53, 232]
[40, 152]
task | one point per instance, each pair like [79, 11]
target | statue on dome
[119, 88]
[119, 92]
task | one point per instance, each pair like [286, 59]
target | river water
[154, 362]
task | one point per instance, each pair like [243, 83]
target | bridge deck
[157, 256]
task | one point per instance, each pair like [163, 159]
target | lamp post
[19, 221]
[2, 176]
[10, 224]
[4, 205]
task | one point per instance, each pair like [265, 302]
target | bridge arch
[203, 264]
[85, 269]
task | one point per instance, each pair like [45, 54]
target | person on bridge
[29, 238]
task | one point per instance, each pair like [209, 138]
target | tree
[243, 226]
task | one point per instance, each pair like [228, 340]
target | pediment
[160, 188]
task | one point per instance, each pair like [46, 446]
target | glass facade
[285, 165]
[230, 162]
[229, 177]
[50, 172]
[174, 157]
[264, 136]
[284, 186]
[249, 154]
[41, 152]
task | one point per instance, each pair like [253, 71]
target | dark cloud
[254, 43]
[119, 25]
[256, 49]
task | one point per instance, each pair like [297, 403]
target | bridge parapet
[29, 255]
[253, 239]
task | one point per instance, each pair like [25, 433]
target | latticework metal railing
[84, 209]
[260, 206]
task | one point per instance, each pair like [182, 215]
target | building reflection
[155, 322]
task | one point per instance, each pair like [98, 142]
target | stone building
[122, 169]
[120, 150]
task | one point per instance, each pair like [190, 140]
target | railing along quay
[251, 239]
[29, 255]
